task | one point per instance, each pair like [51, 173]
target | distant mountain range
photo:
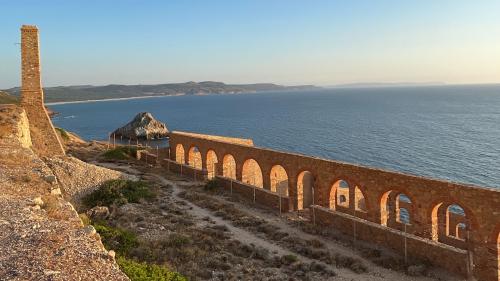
[384, 85]
[89, 92]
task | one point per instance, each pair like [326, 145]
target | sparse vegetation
[120, 153]
[140, 271]
[313, 249]
[117, 239]
[118, 192]
[211, 185]
[289, 259]
[177, 240]
[122, 242]
[63, 133]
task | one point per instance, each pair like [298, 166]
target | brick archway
[397, 210]
[252, 173]
[445, 221]
[180, 154]
[194, 158]
[279, 180]
[305, 186]
[211, 162]
[229, 167]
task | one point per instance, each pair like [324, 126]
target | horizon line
[326, 85]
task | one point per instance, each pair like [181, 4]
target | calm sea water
[446, 132]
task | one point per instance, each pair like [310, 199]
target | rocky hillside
[42, 235]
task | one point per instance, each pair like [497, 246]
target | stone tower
[43, 135]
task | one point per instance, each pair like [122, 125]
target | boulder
[98, 213]
[143, 126]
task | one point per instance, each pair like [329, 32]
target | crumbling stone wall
[473, 252]
[44, 137]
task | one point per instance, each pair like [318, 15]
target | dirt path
[238, 233]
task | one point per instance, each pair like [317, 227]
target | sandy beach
[114, 99]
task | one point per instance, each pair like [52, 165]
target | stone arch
[450, 223]
[339, 194]
[211, 164]
[359, 200]
[305, 194]
[435, 222]
[194, 158]
[456, 222]
[403, 206]
[396, 208]
[229, 167]
[279, 180]
[252, 174]
[179, 154]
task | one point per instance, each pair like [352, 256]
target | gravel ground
[41, 235]
[78, 178]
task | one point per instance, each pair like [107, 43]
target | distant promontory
[89, 92]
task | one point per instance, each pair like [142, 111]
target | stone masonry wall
[466, 243]
[44, 137]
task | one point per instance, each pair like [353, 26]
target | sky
[321, 42]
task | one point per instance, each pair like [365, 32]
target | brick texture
[44, 137]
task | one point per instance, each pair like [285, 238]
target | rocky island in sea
[144, 127]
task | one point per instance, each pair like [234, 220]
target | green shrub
[63, 133]
[138, 271]
[118, 192]
[177, 240]
[211, 185]
[288, 259]
[117, 239]
[120, 153]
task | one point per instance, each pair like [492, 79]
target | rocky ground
[78, 178]
[209, 235]
[41, 235]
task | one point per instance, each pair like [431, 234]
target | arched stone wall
[211, 162]
[180, 154]
[194, 158]
[229, 167]
[396, 210]
[305, 190]
[279, 180]
[429, 197]
[252, 173]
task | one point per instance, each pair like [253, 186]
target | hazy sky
[243, 41]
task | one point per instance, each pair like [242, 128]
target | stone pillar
[43, 135]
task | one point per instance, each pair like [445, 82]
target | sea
[443, 132]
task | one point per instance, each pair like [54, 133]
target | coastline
[113, 99]
[136, 98]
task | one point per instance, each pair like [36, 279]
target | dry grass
[307, 248]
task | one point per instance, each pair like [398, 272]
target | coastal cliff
[42, 235]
